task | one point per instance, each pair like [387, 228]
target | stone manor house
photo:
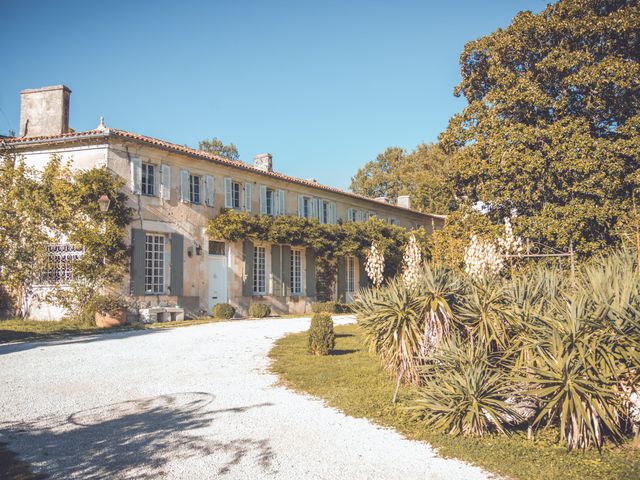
[175, 190]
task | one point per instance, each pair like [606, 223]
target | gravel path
[189, 403]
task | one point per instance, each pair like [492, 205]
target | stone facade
[170, 219]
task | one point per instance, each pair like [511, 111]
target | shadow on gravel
[133, 439]
[69, 339]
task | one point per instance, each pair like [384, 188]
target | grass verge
[15, 330]
[352, 380]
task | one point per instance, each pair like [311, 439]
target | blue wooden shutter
[177, 264]
[137, 261]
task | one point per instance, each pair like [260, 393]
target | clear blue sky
[324, 86]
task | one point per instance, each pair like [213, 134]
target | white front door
[217, 266]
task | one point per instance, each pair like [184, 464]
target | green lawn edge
[351, 380]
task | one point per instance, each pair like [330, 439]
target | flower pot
[108, 320]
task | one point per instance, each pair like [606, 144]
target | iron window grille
[58, 264]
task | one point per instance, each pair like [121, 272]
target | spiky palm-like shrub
[485, 312]
[403, 325]
[322, 339]
[390, 318]
[465, 391]
[437, 287]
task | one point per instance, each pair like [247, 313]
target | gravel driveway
[190, 403]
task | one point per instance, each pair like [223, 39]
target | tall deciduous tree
[421, 174]
[552, 126]
[216, 147]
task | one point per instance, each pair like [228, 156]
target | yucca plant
[404, 324]
[437, 287]
[390, 318]
[576, 376]
[484, 311]
[465, 391]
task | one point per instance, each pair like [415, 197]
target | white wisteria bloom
[375, 265]
[412, 261]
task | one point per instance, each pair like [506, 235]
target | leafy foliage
[421, 174]
[551, 125]
[328, 241]
[55, 205]
[322, 339]
[216, 147]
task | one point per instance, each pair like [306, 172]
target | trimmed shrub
[223, 310]
[259, 310]
[331, 307]
[321, 337]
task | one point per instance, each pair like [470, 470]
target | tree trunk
[395, 394]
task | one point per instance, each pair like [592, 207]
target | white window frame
[296, 271]
[351, 274]
[155, 263]
[270, 202]
[148, 179]
[259, 270]
[235, 195]
[195, 197]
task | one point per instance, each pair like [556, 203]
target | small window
[270, 202]
[235, 195]
[306, 207]
[58, 268]
[216, 248]
[351, 215]
[194, 188]
[351, 275]
[259, 277]
[324, 212]
[154, 263]
[296, 272]
[148, 179]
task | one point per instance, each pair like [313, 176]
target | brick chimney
[264, 162]
[44, 111]
[404, 201]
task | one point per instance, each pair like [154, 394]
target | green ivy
[329, 242]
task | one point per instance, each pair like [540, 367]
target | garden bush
[223, 310]
[259, 310]
[542, 346]
[331, 307]
[321, 337]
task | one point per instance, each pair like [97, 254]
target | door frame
[222, 263]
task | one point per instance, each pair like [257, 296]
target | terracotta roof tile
[112, 132]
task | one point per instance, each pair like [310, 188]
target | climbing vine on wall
[329, 242]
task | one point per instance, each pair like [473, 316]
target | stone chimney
[44, 111]
[404, 201]
[264, 162]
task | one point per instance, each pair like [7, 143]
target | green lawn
[15, 330]
[351, 380]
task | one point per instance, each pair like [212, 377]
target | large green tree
[216, 147]
[421, 174]
[552, 126]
